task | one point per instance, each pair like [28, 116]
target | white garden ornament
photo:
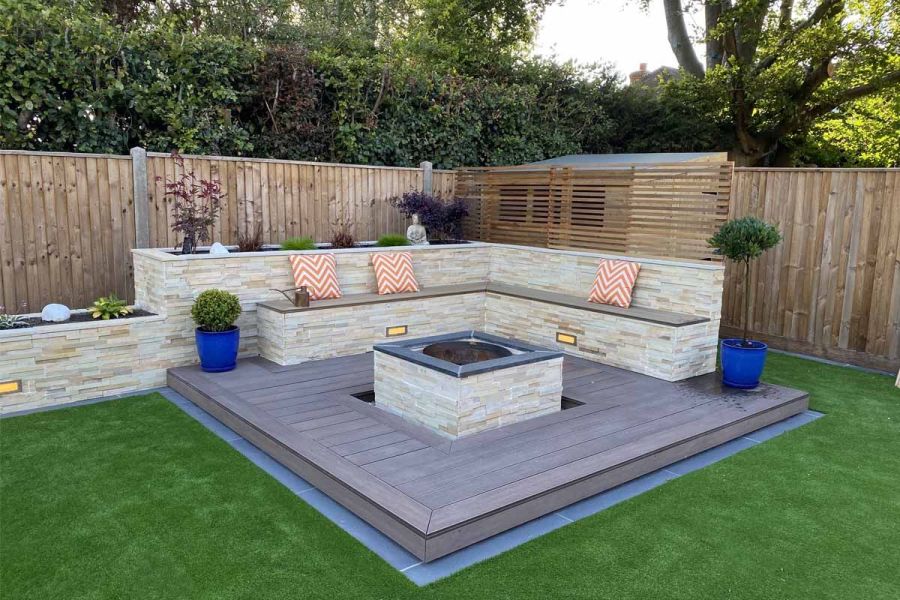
[56, 313]
[218, 249]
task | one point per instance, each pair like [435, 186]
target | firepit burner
[465, 352]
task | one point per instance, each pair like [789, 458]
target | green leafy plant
[11, 321]
[298, 243]
[741, 241]
[109, 307]
[215, 310]
[392, 239]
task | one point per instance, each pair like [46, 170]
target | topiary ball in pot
[218, 338]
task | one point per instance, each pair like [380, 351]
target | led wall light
[566, 338]
[10, 387]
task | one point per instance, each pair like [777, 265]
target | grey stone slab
[708, 457]
[282, 474]
[776, 429]
[207, 420]
[425, 573]
[392, 553]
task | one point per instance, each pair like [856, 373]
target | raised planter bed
[82, 359]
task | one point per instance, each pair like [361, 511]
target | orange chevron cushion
[394, 272]
[318, 272]
[614, 282]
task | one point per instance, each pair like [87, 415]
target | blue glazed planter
[218, 349]
[742, 365]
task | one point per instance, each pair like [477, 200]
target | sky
[616, 31]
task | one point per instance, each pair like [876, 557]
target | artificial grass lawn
[134, 499]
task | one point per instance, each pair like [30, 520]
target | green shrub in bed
[109, 307]
[298, 243]
[392, 239]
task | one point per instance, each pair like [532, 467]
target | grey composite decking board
[435, 496]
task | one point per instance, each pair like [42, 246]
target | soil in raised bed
[324, 247]
[80, 317]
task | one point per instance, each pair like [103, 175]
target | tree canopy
[780, 68]
[401, 81]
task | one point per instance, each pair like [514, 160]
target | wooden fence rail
[666, 210]
[69, 221]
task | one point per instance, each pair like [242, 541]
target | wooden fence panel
[67, 221]
[66, 228]
[648, 209]
[288, 198]
[832, 287]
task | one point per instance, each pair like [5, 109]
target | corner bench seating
[636, 338]
[660, 317]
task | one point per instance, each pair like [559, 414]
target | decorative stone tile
[76, 361]
[456, 407]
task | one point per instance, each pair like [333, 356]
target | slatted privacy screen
[832, 287]
[651, 210]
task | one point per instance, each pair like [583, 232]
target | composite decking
[435, 496]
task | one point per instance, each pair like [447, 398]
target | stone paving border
[422, 573]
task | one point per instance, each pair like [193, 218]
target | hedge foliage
[76, 78]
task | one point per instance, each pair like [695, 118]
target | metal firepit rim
[404, 349]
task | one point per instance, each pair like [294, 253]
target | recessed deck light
[10, 387]
[395, 331]
[566, 338]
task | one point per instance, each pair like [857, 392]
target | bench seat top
[650, 315]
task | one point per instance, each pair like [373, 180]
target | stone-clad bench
[354, 323]
[664, 344]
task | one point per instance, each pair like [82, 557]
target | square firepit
[462, 383]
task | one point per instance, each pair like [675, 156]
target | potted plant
[740, 241]
[214, 312]
[442, 220]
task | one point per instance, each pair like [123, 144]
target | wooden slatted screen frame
[662, 210]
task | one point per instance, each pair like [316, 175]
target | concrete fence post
[141, 202]
[427, 177]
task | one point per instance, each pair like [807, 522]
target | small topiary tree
[742, 240]
[196, 204]
[215, 310]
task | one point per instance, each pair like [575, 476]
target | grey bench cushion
[660, 317]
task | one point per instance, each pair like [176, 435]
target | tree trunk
[679, 39]
[742, 158]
